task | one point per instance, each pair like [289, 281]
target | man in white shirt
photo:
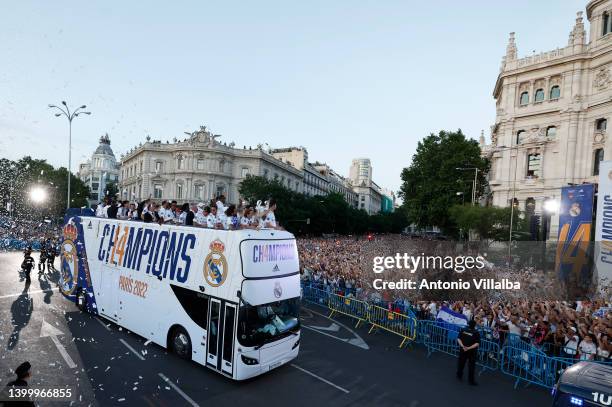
[571, 342]
[220, 204]
[201, 215]
[513, 327]
[211, 219]
[587, 348]
[433, 309]
[100, 209]
[270, 219]
[165, 213]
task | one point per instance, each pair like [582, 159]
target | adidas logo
[276, 268]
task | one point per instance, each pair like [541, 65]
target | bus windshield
[260, 324]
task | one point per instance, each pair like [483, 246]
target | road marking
[332, 328]
[325, 333]
[357, 341]
[127, 345]
[102, 322]
[178, 390]
[30, 292]
[320, 378]
[46, 329]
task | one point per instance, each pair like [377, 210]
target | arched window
[200, 164]
[221, 166]
[551, 132]
[519, 136]
[179, 191]
[606, 23]
[555, 92]
[539, 95]
[601, 124]
[524, 98]
[598, 157]
[180, 162]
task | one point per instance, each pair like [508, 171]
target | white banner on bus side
[265, 258]
[603, 230]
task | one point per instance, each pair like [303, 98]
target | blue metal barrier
[315, 295]
[439, 337]
[18, 244]
[532, 366]
[518, 358]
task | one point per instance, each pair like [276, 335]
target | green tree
[20, 177]
[491, 223]
[111, 189]
[431, 182]
[301, 214]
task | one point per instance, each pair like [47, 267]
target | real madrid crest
[215, 264]
[69, 260]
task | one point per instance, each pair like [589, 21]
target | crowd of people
[568, 329]
[216, 214]
[19, 233]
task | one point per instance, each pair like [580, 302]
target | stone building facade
[552, 110]
[369, 194]
[102, 168]
[197, 169]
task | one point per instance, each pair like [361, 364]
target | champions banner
[575, 222]
[603, 230]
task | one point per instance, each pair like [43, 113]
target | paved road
[105, 365]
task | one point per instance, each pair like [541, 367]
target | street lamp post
[504, 148]
[474, 183]
[65, 111]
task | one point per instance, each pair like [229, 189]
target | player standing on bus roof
[211, 219]
[469, 341]
[221, 218]
[201, 214]
[220, 204]
[269, 217]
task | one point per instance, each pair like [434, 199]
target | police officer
[469, 340]
[28, 263]
[23, 372]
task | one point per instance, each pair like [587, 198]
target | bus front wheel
[180, 344]
[80, 301]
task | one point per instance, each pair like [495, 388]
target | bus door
[220, 339]
[108, 300]
[227, 350]
[212, 340]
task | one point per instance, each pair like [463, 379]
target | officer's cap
[23, 369]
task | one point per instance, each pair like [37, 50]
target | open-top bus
[228, 300]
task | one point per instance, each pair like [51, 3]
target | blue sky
[345, 79]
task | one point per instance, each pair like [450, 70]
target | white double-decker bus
[228, 300]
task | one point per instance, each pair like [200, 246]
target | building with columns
[197, 169]
[552, 110]
[99, 171]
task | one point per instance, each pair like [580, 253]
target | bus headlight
[249, 361]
